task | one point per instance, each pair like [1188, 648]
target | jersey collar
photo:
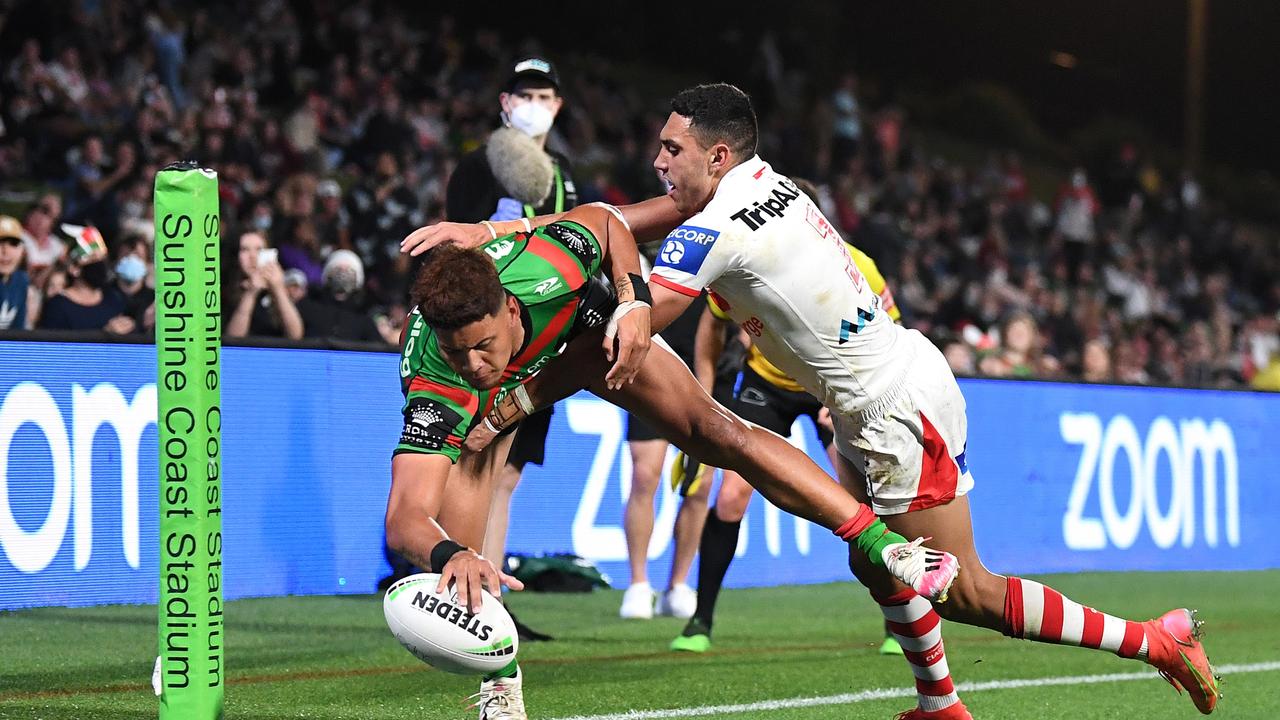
[753, 169]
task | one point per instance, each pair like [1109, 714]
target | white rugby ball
[441, 632]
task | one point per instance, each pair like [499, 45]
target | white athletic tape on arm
[616, 213]
[620, 312]
[521, 396]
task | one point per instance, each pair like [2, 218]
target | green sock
[875, 539]
[509, 671]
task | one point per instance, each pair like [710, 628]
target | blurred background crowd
[334, 136]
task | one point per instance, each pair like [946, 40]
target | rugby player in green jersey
[488, 319]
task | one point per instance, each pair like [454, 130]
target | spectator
[846, 128]
[44, 248]
[132, 272]
[1077, 208]
[1021, 354]
[301, 250]
[960, 357]
[89, 302]
[333, 219]
[295, 282]
[1096, 361]
[334, 311]
[259, 302]
[383, 210]
[13, 279]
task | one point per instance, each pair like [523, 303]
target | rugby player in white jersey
[783, 273]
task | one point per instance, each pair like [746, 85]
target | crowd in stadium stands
[334, 135]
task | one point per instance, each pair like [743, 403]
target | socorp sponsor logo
[102, 406]
[1164, 504]
[689, 233]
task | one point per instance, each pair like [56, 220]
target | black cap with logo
[534, 68]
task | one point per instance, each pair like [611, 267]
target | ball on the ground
[443, 633]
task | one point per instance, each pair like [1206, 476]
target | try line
[890, 693]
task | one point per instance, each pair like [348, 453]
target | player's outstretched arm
[417, 494]
[650, 220]
[628, 328]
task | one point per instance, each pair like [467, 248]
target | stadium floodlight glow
[189, 669]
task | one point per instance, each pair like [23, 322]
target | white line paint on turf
[890, 693]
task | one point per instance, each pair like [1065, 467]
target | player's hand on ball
[633, 338]
[465, 235]
[471, 575]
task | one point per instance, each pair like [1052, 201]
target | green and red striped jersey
[549, 272]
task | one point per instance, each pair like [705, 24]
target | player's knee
[644, 481]
[731, 505]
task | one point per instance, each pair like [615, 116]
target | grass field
[332, 657]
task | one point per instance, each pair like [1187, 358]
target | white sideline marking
[890, 693]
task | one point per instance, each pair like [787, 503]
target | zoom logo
[71, 505]
[1184, 482]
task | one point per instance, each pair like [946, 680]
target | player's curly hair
[456, 287]
[720, 112]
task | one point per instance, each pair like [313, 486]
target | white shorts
[910, 442]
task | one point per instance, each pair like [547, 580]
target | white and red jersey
[781, 271]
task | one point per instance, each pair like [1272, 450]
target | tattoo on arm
[626, 291]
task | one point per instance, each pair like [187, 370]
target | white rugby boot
[501, 699]
[637, 602]
[680, 601]
[929, 572]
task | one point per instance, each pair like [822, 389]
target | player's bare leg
[668, 397]
[1027, 609]
[637, 524]
[495, 536]
[470, 492]
[679, 600]
[470, 489]
[912, 621]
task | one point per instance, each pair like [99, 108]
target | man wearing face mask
[333, 311]
[514, 175]
[89, 302]
[13, 279]
[131, 281]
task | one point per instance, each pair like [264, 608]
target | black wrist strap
[641, 289]
[441, 553]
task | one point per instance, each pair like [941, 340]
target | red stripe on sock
[854, 526]
[1133, 637]
[899, 598]
[927, 658]
[1094, 624]
[1051, 625]
[935, 687]
[919, 628]
[1013, 607]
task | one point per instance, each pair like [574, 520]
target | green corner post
[189, 669]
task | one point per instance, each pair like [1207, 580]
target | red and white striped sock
[918, 630]
[1035, 612]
